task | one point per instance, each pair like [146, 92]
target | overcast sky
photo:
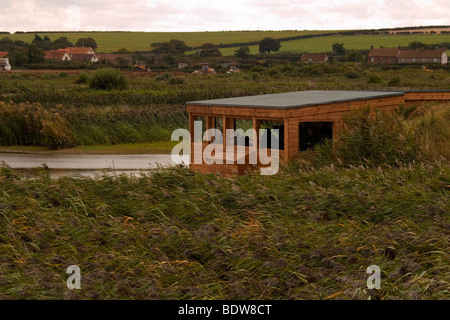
[214, 15]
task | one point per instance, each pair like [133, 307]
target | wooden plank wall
[329, 113]
[422, 97]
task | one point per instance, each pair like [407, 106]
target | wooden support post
[209, 125]
[224, 133]
[256, 124]
[191, 136]
[286, 138]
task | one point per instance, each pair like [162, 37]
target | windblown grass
[178, 235]
[309, 232]
[431, 124]
[149, 110]
[62, 127]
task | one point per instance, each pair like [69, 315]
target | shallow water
[85, 165]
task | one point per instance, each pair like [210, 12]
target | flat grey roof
[297, 99]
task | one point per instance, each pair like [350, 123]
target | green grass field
[140, 41]
[324, 44]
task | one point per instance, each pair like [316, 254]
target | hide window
[271, 130]
[198, 134]
[314, 133]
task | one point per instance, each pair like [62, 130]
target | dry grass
[303, 234]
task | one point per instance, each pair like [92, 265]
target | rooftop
[290, 100]
[422, 53]
[78, 50]
[384, 52]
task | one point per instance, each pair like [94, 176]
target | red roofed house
[82, 57]
[79, 50]
[3, 54]
[81, 54]
[423, 56]
[314, 57]
[59, 54]
[384, 55]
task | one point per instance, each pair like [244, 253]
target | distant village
[83, 53]
[391, 56]
[79, 54]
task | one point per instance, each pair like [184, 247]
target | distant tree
[122, 63]
[20, 43]
[160, 47]
[268, 45]
[45, 44]
[37, 38]
[174, 46]
[145, 58]
[178, 46]
[7, 44]
[170, 59]
[86, 42]
[21, 56]
[18, 57]
[418, 45]
[354, 56]
[61, 43]
[35, 54]
[123, 51]
[338, 48]
[210, 50]
[242, 52]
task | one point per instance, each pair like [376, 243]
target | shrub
[163, 77]
[176, 80]
[31, 124]
[257, 68]
[432, 131]
[394, 82]
[351, 74]
[83, 78]
[108, 79]
[373, 78]
[48, 76]
[372, 137]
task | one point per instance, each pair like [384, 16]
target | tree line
[22, 53]
[179, 47]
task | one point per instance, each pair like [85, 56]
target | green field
[324, 44]
[140, 41]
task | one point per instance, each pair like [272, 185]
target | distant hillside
[140, 41]
[292, 41]
[324, 44]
